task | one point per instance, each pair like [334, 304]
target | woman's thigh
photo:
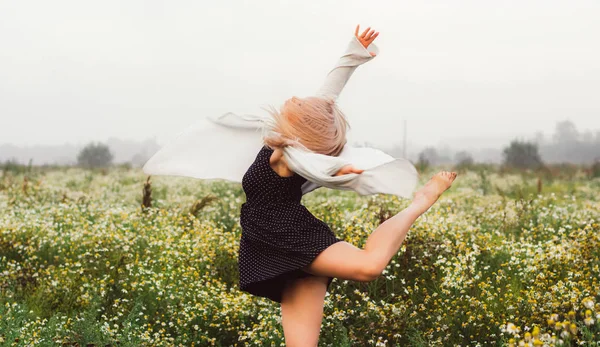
[302, 310]
[344, 261]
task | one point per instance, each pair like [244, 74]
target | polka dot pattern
[279, 235]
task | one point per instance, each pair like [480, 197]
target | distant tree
[463, 159]
[423, 163]
[595, 169]
[139, 159]
[429, 155]
[566, 133]
[14, 166]
[539, 138]
[522, 155]
[94, 155]
[587, 136]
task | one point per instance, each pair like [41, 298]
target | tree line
[567, 145]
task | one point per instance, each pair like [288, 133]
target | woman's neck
[278, 163]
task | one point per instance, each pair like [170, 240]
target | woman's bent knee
[345, 261]
[369, 272]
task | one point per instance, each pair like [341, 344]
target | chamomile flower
[588, 303]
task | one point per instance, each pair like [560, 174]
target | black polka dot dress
[279, 235]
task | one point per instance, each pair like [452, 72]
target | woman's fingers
[362, 36]
[348, 169]
[373, 36]
[367, 37]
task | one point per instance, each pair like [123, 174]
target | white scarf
[224, 148]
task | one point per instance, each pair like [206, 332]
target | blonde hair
[313, 123]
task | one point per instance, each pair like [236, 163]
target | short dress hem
[262, 288]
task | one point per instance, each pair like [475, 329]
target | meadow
[501, 260]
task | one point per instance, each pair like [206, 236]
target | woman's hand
[347, 170]
[366, 37]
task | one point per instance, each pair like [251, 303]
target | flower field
[493, 263]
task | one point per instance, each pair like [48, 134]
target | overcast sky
[75, 71]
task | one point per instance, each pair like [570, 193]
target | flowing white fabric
[224, 148]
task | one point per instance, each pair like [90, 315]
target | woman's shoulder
[277, 162]
[276, 155]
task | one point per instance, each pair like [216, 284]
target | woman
[288, 255]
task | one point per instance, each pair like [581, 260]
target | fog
[469, 74]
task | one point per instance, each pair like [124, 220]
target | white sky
[75, 71]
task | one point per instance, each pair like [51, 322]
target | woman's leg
[345, 261]
[302, 310]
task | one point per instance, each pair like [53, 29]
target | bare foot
[428, 195]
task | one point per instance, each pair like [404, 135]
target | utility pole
[404, 147]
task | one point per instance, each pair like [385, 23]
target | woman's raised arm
[356, 53]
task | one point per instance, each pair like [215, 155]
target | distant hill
[134, 152]
[566, 145]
